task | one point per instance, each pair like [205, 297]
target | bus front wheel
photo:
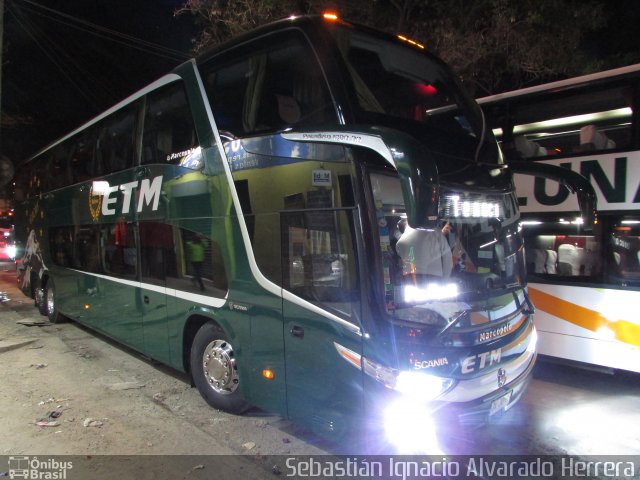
[215, 371]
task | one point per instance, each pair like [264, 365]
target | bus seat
[528, 148]
[617, 258]
[569, 259]
[593, 139]
[550, 262]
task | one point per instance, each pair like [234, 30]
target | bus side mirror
[573, 181]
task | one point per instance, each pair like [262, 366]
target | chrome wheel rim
[219, 367]
[50, 302]
[39, 297]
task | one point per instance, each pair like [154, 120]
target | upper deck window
[169, 135]
[273, 83]
[399, 86]
[571, 123]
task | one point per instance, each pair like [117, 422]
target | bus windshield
[471, 260]
[405, 88]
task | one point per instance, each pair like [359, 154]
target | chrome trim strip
[357, 139]
[475, 388]
[170, 292]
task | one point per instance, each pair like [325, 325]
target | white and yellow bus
[585, 285]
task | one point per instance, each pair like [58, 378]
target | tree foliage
[501, 44]
[494, 45]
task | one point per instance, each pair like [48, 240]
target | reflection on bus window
[319, 261]
[169, 133]
[278, 83]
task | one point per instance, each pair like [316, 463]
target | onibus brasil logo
[33, 468]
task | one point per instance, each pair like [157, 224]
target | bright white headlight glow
[409, 426]
[433, 291]
[421, 386]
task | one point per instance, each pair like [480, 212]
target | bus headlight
[11, 251]
[418, 386]
[422, 386]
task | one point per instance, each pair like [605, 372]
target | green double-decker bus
[312, 219]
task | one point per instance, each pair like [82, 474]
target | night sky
[58, 73]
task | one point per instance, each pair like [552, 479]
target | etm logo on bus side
[103, 197]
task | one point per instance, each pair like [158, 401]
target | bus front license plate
[500, 404]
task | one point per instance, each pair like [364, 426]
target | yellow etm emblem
[95, 204]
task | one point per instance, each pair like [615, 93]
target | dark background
[66, 61]
[59, 70]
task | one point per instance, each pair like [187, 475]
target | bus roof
[563, 84]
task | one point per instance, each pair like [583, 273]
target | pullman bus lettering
[431, 363]
[148, 195]
[495, 333]
[482, 360]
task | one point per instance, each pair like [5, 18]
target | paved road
[564, 411]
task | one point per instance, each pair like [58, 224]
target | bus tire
[214, 369]
[51, 304]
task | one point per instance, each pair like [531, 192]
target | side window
[569, 257]
[116, 141]
[83, 156]
[203, 262]
[572, 124]
[625, 250]
[274, 84]
[157, 252]
[169, 134]
[61, 168]
[318, 259]
[119, 252]
[181, 259]
[77, 247]
[62, 240]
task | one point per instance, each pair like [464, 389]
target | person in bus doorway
[197, 248]
[425, 252]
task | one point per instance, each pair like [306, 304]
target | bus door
[321, 306]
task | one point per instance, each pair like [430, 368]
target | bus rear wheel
[39, 300]
[50, 302]
[215, 371]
